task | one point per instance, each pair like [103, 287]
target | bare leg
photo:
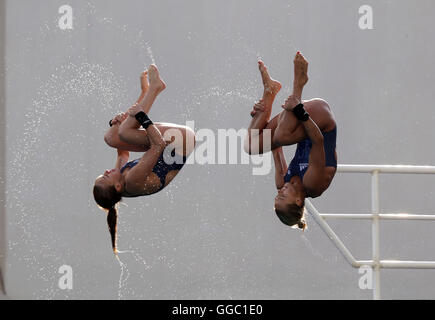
[130, 132]
[129, 129]
[144, 84]
[290, 130]
[112, 135]
[166, 129]
[142, 145]
[260, 121]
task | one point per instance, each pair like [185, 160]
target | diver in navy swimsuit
[166, 147]
[161, 169]
[309, 124]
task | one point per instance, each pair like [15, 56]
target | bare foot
[156, 83]
[144, 84]
[301, 70]
[271, 86]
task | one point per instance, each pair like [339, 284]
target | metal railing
[376, 263]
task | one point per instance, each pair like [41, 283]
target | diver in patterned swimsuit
[309, 124]
[166, 148]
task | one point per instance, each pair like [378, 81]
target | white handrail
[382, 216]
[331, 234]
[376, 263]
[386, 169]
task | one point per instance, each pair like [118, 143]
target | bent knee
[108, 140]
[317, 103]
[122, 133]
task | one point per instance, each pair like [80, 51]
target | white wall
[212, 233]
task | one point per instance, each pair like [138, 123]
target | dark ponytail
[107, 198]
[302, 224]
[112, 220]
[293, 216]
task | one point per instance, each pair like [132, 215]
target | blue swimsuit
[161, 168]
[299, 164]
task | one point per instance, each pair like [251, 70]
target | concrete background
[212, 233]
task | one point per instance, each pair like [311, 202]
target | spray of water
[122, 280]
[70, 84]
[315, 230]
[150, 53]
[125, 274]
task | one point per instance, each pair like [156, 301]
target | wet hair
[107, 198]
[292, 216]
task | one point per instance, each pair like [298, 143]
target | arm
[288, 131]
[122, 158]
[111, 137]
[253, 143]
[136, 176]
[113, 140]
[314, 178]
[314, 133]
[280, 167]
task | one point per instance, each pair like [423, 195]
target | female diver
[166, 148]
[310, 125]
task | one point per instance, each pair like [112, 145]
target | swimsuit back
[299, 164]
[161, 168]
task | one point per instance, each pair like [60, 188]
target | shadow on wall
[2, 142]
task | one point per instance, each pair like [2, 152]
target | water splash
[121, 281]
[315, 252]
[93, 89]
[71, 85]
[150, 53]
[124, 269]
